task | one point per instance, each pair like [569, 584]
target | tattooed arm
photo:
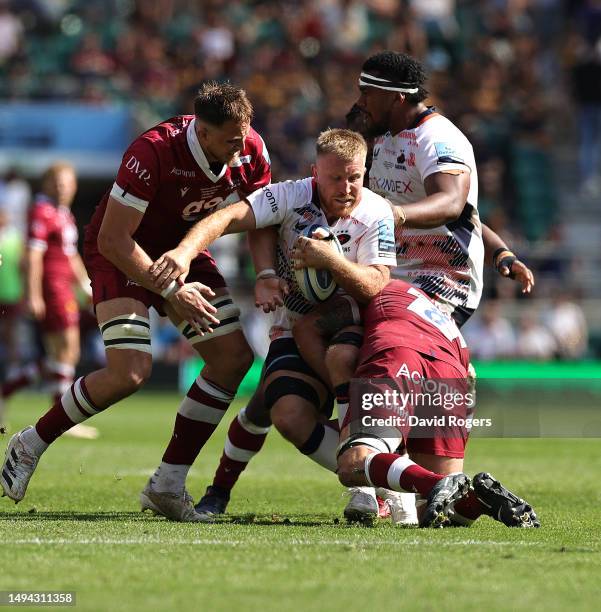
[314, 332]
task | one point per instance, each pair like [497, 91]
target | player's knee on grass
[351, 464]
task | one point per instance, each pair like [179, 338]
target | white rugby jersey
[446, 262]
[366, 235]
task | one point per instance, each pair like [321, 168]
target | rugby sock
[196, 420]
[168, 477]
[322, 444]
[59, 377]
[244, 440]
[342, 401]
[31, 438]
[399, 473]
[19, 378]
[468, 509]
[75, 406]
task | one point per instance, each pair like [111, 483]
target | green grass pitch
[282, 546]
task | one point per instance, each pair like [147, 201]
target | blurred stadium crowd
[522, 79]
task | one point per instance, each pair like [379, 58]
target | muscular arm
[445, 200]
[79, 270]
[175, 264]
[517, 270]
[263, 244]
[269, 289]
[361, 281]
[34, 267]
[116, 243]
[233, 219]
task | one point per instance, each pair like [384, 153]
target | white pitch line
[232, 543]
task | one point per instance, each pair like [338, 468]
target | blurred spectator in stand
[490, 336]
[534, 341]
[14, 201]
[586, 85]
[11, 32]
[11, 292]
[566, 321]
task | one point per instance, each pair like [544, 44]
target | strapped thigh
[229, 321]
[128, 331]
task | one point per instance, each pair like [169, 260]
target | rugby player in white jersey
[425, 167]
[295, 396]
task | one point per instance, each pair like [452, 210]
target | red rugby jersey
[165, 174]
[402, 315]
[52, 229]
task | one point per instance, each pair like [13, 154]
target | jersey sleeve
[261, 175]
[39, 228]
[272, 202]
[138, 176]
[441, 152]
[377, 245]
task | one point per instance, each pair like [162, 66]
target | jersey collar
[199, 155]
[424, 116]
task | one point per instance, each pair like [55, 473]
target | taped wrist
[504, 258]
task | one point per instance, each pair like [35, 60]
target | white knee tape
[229, 321]
[128, 331]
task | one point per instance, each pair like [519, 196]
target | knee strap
[128, 331]
[287, 385]
[229, 321]
[364, 439]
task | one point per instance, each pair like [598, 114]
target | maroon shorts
[62, 309]
[109, 283]
[432, 387]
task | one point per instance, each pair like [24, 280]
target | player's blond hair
[217, 103]
[54, 169]
[346, 144]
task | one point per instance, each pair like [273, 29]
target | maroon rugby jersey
[165, 175]
[52, 229]
[402, 315]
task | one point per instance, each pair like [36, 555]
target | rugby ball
[318, 285]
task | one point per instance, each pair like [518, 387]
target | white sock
[32, 440]
[170, 478]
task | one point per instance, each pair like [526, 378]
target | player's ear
[314, 171]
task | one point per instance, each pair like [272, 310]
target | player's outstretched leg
[19, 464]
[488, 496]
[364, 461]
[245, 438]
[202, 409]
[126, 371]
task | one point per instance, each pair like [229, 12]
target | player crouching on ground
[405, 333]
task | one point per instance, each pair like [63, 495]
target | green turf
[283, 547]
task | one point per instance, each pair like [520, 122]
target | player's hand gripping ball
[318, 285]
